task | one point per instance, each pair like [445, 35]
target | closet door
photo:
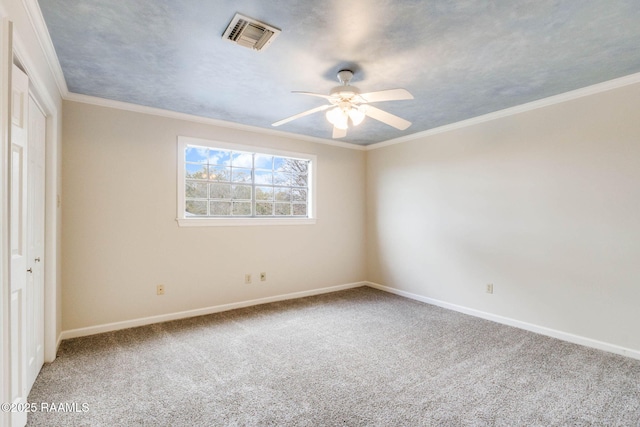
[35, 241]
[18, 241]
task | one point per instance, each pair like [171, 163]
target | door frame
[6, 60]
[13, 48]
[52, 267]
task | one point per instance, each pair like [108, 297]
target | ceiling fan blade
[386, 95]
[304, 113]
[319, 95]
[339, 133]
[386, 118]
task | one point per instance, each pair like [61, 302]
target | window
[228, 184]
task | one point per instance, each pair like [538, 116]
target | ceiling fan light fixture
[356, 115]
[338, 117]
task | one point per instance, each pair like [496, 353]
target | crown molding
[42, 34]
[119, 105]
[37, 20]
[541, 103]
[44, 98]
[40, 27]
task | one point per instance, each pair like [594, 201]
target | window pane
[263, 177]
[299, 195]
[242, 160]
[299, 209]
[263, 161]
[195, 190]
[279, 163]
[218, 173]
[219, 191]
[281, 178]
[241, 175]
[193, 207]
[196, 154]
[195, 171]
[222, 182]
[264, 193]
[220, 208]
[297, 166]
[299, 180]
[242, 192]
[242, 208]
[263, 208]
[220, 157]
[283, 209]
[283, 194]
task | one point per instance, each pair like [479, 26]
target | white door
[35, 242]
[6, 58]
[18, 240]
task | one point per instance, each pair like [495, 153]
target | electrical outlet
[247, 279]
[489, 288]
[263, 277]
[160, 289]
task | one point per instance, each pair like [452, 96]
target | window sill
[226, 222]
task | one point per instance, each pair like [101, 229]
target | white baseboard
[55, 353]
[565, 336]
[108, 327]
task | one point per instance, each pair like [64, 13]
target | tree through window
[230, 183]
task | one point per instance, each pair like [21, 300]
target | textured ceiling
[460, 59]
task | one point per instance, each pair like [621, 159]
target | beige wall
[544, 204]
[120, 237]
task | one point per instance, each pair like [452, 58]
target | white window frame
[184, 221]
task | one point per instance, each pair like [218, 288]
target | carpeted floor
[359, 357]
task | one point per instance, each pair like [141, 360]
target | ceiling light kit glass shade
[339, 116]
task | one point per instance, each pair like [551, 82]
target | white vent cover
[250, 33]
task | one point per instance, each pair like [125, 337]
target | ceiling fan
[348, 106]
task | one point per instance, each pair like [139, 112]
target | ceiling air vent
[250, 33]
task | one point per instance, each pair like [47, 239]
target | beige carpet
[360, 357]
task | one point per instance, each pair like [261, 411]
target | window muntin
[221, 181]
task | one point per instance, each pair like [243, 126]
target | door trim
[6, 60]
[53, 151]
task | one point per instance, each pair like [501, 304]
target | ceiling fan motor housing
[344, 93]
[345, 76]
